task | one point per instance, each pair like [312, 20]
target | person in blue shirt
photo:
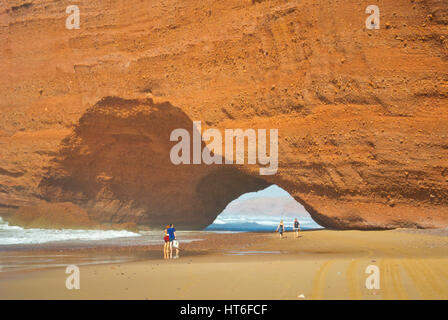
[296, 227]
[172, 236]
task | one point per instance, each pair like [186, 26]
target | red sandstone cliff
[362, 114]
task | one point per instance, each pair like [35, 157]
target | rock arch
[116, 165]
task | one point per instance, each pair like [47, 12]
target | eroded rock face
[362, 114]
[52, 216]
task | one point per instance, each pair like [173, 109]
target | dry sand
[319, 265]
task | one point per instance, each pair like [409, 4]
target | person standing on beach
[296, 227]
[280, 229]
[172, 236]
[166, 245]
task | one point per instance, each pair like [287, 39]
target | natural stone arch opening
[261, 211]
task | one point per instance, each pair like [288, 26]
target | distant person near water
[280, 229]
[296, 227]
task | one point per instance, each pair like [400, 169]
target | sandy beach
[319, 264]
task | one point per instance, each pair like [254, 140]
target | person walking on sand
[280, 229]
[172, 236]
[166, 245]
[296, 227]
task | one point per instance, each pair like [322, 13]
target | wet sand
[320, 264]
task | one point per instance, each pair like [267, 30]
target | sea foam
[17, 235]
[260, 223]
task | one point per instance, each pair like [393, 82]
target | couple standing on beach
[170, 242]
[295, 227]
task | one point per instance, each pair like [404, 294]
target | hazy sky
[267, 207]
[272, 191]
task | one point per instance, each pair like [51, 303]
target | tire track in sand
[427, 282]
[353, 280]
[441, 267]
[434, 279]
[390, 280]
[320, 280]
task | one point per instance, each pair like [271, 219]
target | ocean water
[18, 246]
[13, 235]
[10, 235]
[17, 238]
[258, 223]
[16, 242]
